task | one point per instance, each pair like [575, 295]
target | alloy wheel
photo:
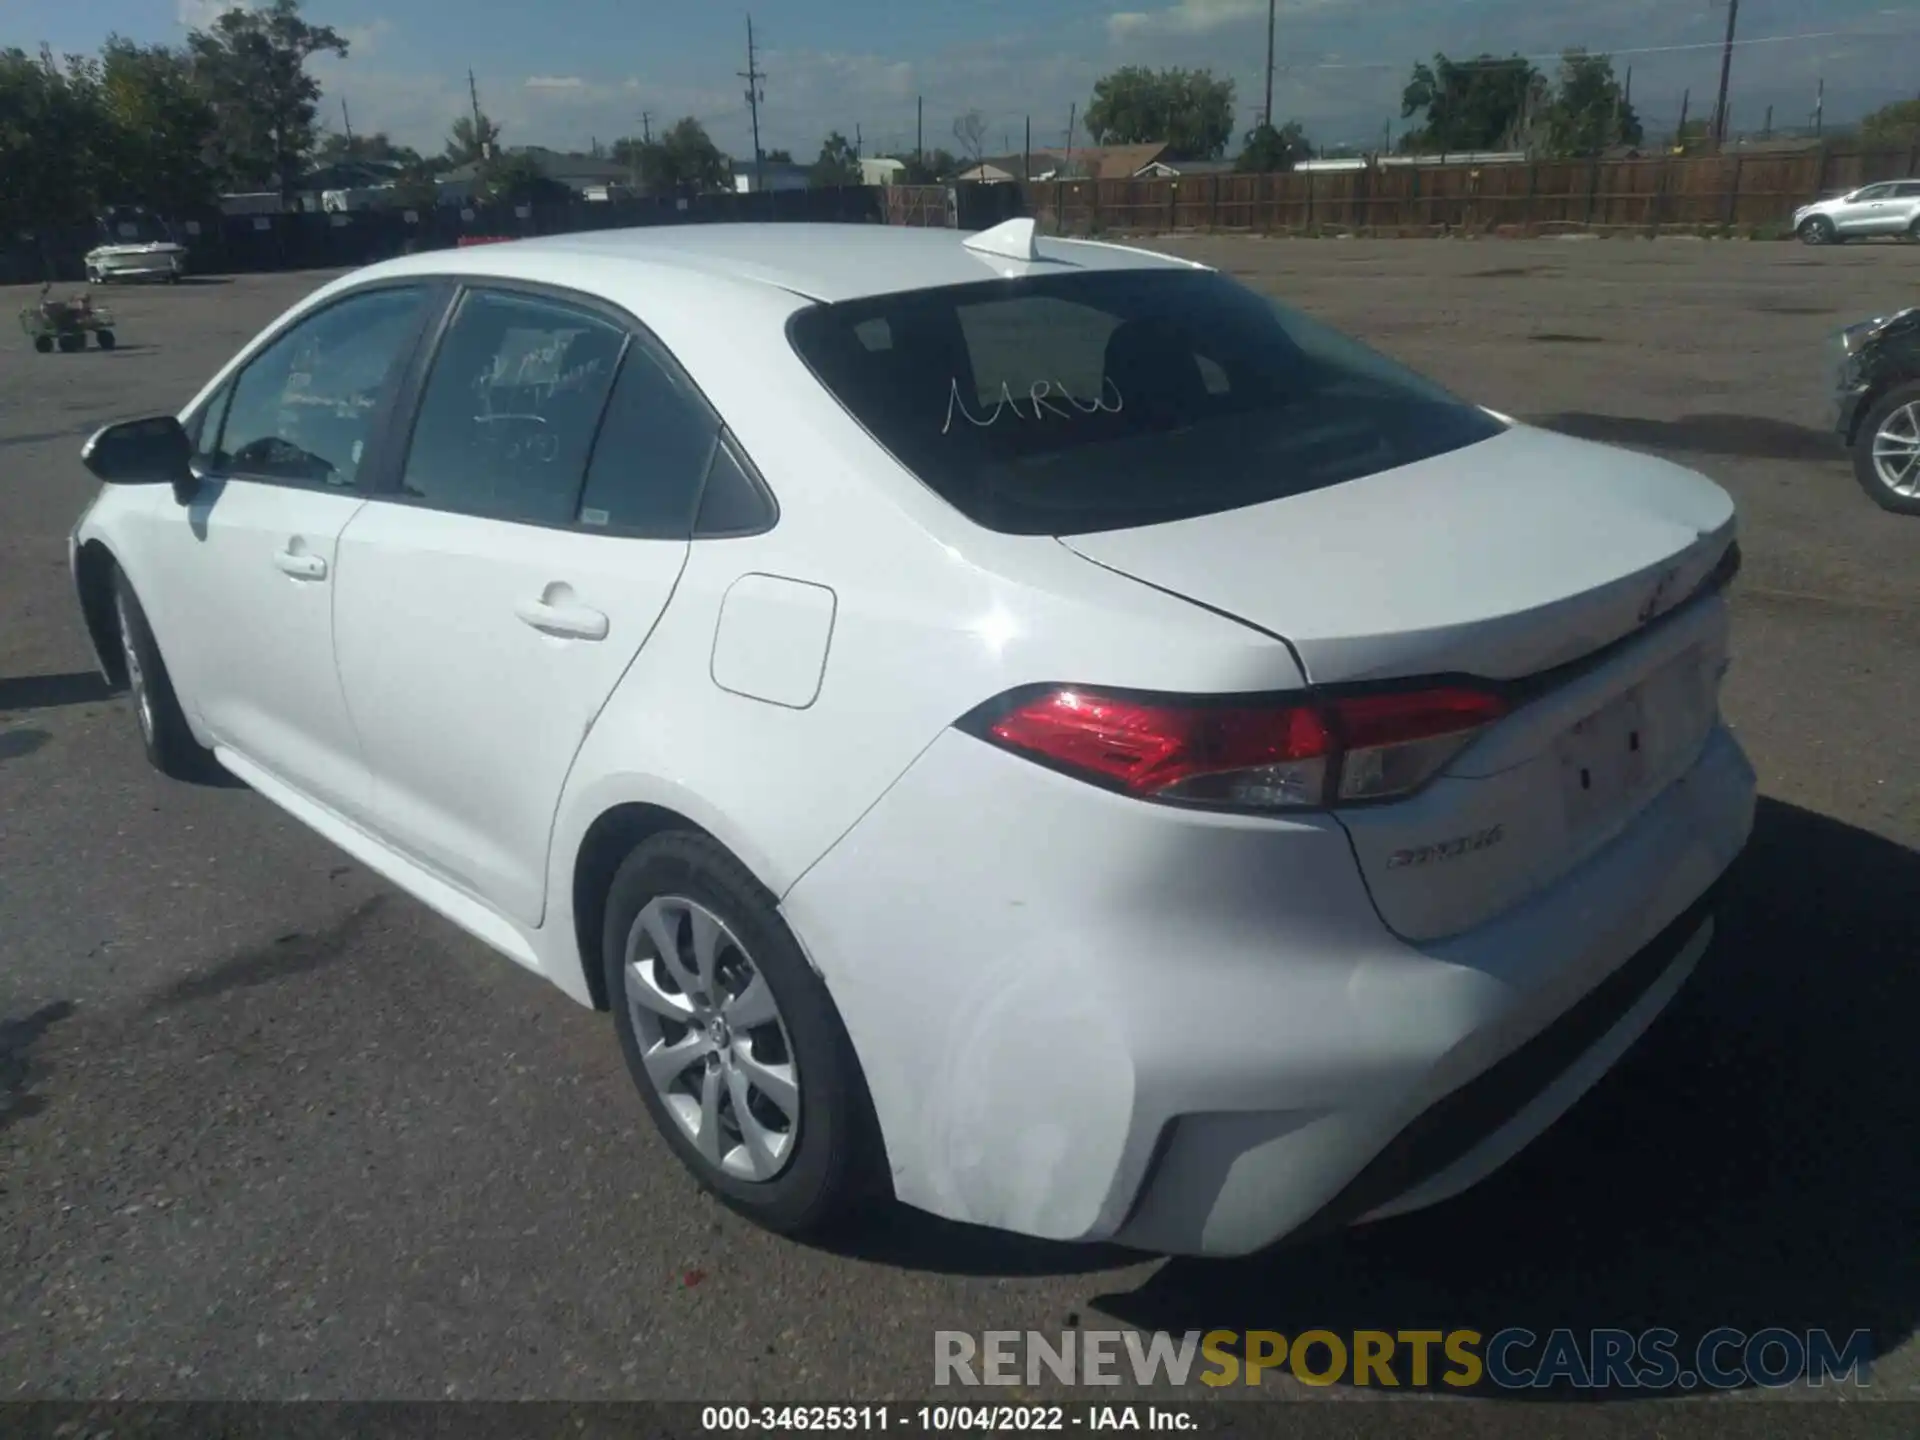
[1896, 451]
[1817, 231]
[712, 1038]
[136, 677]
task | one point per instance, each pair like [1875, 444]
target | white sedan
[1026, 726]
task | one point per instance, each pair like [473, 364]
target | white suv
[1891, 208]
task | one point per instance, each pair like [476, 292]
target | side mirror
[154, 451]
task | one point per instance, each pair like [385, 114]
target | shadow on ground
[20, 1073]
[1751, 1163]
[915, 1240]
[1747, 437]
[294, 953]
[47, 692]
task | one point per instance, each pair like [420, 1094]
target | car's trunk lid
[1510, 561]
[1506, 558]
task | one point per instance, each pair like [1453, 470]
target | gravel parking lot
[270, 1129]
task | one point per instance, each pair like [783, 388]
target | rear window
[1071, 404]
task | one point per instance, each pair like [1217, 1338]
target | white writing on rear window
[1044, 397]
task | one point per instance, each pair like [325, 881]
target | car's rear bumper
[1084, 1017]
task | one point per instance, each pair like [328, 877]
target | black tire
[164, 732]
[833, 1169]
[1901, 397]
[43, 343]
[1913, 231]
[1818, 230]
[104, 339]
[69, 344]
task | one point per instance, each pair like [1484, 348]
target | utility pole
[920, 129]
[347, 121]
[755, 95]
[1680, 137]
[1266, 112]
[1768, 132]
[1026, 153]
[1819, 106]
[646, 127]
[1073, 113]
[479, 125]
[1726, 74]
[859, 145]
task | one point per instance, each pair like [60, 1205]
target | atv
[65, 324]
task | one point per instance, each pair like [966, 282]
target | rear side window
[654, 448]
[1064, 405]
[511, 409]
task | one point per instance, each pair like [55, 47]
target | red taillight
[1246, 755]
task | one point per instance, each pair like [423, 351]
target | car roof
[820, 262]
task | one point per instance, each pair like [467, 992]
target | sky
[566, 72]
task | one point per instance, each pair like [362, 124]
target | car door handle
[574, 622]
[300, 566]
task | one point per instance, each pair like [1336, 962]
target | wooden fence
[1751, 194]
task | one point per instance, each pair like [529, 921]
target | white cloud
[200, 14]
[556, 83]
[1189, 17]
[364, 40]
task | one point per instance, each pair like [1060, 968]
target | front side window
[303, 409]
[510, 411]
[1875, 192]
[1062, 405]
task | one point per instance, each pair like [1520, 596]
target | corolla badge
[1447, 849]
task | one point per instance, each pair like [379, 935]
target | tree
[928, 169]
[779, 157]
[377, 148]
[1269, 149]
[254, 66]
[970, 130]
[839, 163]
[1190, 110]
[51, 141]
[1897, 124]
[471, 139]
[1589, 112]
[510, 178]
[156, 125]
[683, 160]
[1478, 104]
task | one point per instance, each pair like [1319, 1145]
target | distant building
[1167, 169]
[590, 177]
[774, 175]
[881, 172]
[1153, 161]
